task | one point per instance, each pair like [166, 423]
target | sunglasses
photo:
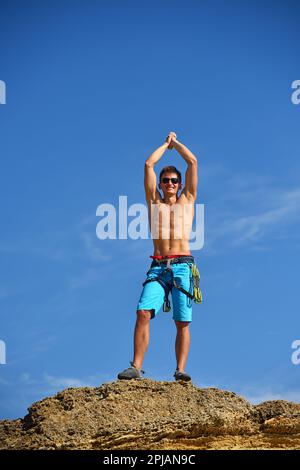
[173, 180]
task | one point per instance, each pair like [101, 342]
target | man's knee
[181, 324]
[143, 316]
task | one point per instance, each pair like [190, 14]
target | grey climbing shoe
[182, 376]
[131, 373]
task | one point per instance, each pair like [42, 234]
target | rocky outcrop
[145, 414]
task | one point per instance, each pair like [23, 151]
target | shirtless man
[172, 259]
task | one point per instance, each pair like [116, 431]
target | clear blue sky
[93, 88]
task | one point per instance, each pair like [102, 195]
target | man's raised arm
[150, 177]
[191, 175]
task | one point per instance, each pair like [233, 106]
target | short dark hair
[170, 169]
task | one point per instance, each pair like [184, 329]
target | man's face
[168, 186]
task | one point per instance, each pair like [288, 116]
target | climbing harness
[194, 292]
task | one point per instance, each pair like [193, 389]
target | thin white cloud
[78, 240]
[65, 382]
[26, 379]
[255, 394]
[92, 246]
[86, 278]
[256, 226]
[56, 383]
[250, 216]
[260, 397]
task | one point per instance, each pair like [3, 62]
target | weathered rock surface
[147, 414]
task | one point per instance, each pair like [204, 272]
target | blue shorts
[153, 293]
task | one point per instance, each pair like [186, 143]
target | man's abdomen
[171, 247]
